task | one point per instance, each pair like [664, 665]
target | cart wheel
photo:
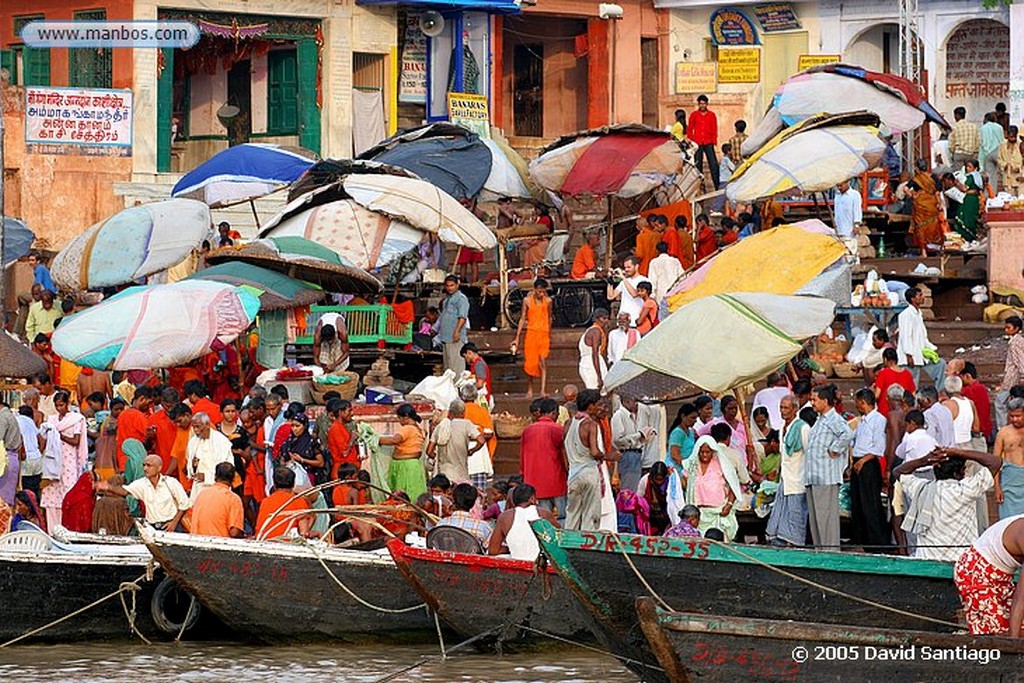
[513, 306]
[575, 306]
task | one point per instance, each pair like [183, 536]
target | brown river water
[129, 662]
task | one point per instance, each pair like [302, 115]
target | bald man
[165, 499]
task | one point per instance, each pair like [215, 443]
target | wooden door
[528, 90]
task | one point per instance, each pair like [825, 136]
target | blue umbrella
[243, 173]
[18, 239]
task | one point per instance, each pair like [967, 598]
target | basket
[845, 370]
[510, 427]
[832, 348]
[826, 365]
[348, 390]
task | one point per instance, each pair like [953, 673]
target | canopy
[242, 173]
[17, 360]
[132, 244]
[301, 259]
[781, 260]
[18, 239]
[159, 326]
[624, 161]
[814, 155]
[371, 218]
[696, 347]
[275, 290]
[841, 88]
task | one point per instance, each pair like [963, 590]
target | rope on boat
[364, 603]
[622, 547]
[188, 618]
[131, 587]
[828, 589]
[569, 641]
[440, 637]
[430, 658]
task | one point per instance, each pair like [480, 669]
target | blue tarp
[458, 165]
[17, 239]
[242, 165]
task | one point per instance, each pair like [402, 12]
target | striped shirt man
[830, 434]
[954, 523]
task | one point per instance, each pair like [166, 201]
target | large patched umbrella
[372, 218]
[841, 88]
[814, 155]
[719, 343]
[160, 326]
[621, 161]
[132, 244]
[301, 259]
[275, 290]
[243, 173]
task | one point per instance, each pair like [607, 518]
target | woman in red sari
[924, 220]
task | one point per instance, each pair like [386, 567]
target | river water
[129, 662]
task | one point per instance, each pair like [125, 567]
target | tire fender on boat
[171, 605]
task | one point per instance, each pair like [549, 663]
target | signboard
[808, 61]
[412, 78]
[1015, 96]
[978, 66]
[739, 65]
[776, 16]
[729, 26]
[470, 111]
[78, 121]
[696, 77]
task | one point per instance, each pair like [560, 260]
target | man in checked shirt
[825, 458]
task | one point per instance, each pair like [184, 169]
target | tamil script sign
[739, 65]
[78, 121]
[412, 79]
[807, 61]
[696, 77]
[470, 111]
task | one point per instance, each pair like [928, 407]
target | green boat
[607, 572]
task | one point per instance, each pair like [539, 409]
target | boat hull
[509, 600]
[698, 576]
[271, 591]
[716, 649]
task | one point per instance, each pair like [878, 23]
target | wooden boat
[275, 590]
[717, 649]
[509, 600]
[607, 572]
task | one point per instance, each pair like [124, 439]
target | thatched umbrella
[17, 360]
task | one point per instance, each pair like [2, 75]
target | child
[425, 338]
[648, 316]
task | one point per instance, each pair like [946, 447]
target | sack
[52, 455]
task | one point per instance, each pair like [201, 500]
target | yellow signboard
[698, 77]
[807, 61]
[739, 65]
[470, 111]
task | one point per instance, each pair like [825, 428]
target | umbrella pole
[741, 399]
[252, 204]
[611, 235]
[503, 322]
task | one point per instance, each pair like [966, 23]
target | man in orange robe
[163, 428]
[133, 422]
[647, 243]
[536, 319]
[680, 242]
[586, 257]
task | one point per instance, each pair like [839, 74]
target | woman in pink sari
[74, 456]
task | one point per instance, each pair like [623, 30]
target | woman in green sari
[967, 218]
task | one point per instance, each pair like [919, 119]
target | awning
[491, 6]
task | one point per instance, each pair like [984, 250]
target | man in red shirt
[707, 238]
[198, 400]
[133, 422]
[977, 392]
[162, 428]
[278, 510]
[891, 374]
[702, 130]
[542, 459]
[341, 442]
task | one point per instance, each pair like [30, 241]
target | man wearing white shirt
[848, 210]
[913, 342]
[663, 272]
[32, 466]
[206, 449]
[771, 397]
[629, 299]
[938, 419]
[621, 339]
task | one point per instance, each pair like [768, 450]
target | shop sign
[470, 111]
[729, 26]
[412, 79]
[78, 121]
[776, 16]
[808, 61]
[739, 65]
[696, 77]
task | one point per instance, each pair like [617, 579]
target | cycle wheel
[513, 306]
[575, 306]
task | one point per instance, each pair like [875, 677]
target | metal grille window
[90, 67]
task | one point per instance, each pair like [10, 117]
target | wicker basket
[348, 390]
[833, 347]
[845, 370]
[509, 428]
[825, 365]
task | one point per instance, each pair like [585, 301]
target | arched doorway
[878, 49]
[977, 66]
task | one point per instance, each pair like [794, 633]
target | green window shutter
[282, 93]
[164, 100]
[309, 112]
[37, 66]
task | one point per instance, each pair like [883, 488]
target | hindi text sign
[696, 77]
[412, 79]
[78, 121]
[777, 16]
[808, 61]
[729, 26]
[739, 65]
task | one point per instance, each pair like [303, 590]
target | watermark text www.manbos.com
[907, 653]
[170, 34]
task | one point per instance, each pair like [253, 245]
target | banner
[412, 78]
[78, 121]
[470, 111]
[739, 65]
[807, 61]
[696, 77]
[729, 26]
[776, 16]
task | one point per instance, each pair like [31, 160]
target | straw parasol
[16, 360]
